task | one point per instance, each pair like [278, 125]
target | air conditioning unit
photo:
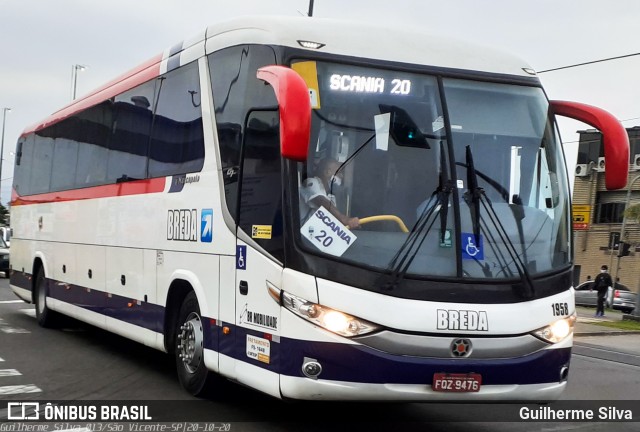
[635, 164]
[582, 170]
[600, 166]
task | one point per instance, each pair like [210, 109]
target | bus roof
[405, 44]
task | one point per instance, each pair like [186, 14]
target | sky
[41, 41]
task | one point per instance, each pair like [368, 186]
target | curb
[606, 333]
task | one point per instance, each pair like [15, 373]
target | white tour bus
[316, 209]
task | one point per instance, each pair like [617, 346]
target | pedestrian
[601, 284]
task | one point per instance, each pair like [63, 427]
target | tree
[4, 215]
[633, 212]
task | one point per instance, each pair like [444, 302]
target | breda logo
[462, 320]
[182, 225]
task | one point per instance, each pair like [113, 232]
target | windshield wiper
[343, 164]
[445, 186]
[401, 261]
[473, 194]
[399, 265]
[476, 195]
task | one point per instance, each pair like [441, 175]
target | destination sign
[369, 84]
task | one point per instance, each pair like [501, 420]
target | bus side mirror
[614, 137]
[292, 94]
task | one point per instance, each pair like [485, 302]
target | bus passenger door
[259, 255]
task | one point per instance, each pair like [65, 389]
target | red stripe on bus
[137, 187]
[141, 74]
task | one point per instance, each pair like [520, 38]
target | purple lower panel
[342, 362]
[357, 363]
[132, 311]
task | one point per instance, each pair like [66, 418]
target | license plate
[444, 382]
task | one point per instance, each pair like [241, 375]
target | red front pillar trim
[295, 110]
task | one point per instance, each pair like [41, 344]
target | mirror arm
[615, 138]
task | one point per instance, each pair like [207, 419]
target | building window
[610, 207]
[609, 213]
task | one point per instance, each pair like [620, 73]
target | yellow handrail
[394, 218]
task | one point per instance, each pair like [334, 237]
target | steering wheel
[393, 218]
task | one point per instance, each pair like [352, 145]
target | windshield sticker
[447, 239]
[261, 232]
[309, 73]
[382, 122]
[460, 184]
[471, 250]
[326, 233]
[437, 124]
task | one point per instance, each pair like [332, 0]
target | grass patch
[622, 325]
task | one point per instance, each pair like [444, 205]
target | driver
[313, 193]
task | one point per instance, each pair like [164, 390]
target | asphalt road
[80, 362]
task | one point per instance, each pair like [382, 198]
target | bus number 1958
[560, 309]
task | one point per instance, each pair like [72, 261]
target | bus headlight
[328, 318]
[557, 331]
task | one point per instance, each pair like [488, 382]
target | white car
[5, 234]
[623, 298]
[4, 257]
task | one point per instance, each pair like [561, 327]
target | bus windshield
[425, 176]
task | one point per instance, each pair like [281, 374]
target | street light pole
[635, 312]
[4, 118]
[74, 78]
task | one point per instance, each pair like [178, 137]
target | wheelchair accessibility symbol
[471, 250]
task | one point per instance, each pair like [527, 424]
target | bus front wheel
[189, 352]
[45, 316]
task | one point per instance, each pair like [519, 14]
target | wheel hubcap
[190, 342]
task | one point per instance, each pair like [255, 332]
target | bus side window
[22, 170]
[177, 140]
[261, 197]
[91, 129]
[130, 130]
[236, 90]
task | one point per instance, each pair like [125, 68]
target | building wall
[592, 245]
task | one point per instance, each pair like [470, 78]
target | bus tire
[189, 352]
[45, 316]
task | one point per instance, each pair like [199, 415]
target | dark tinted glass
[41, 169]
[92, 130]
[585, 287]
[177, 142]
[237, 90]
[22, 170]
[261, 200]
[111, 142]
[130, 138]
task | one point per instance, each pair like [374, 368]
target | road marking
[10, 301]
[1, 359]
[6, 328]
[30, 312]
[19, 389]
[9, 372]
